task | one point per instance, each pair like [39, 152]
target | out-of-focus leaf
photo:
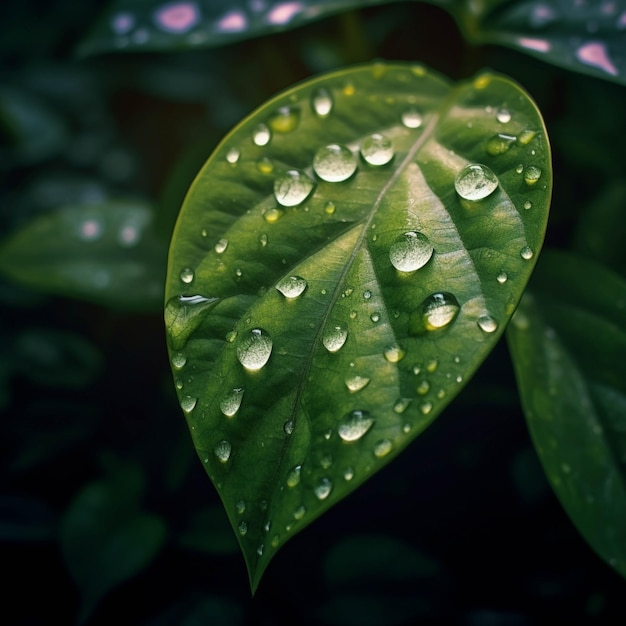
[56, 358]
[568, 340]
[32, 130]
[343, 263]
[376, 579]
[104, 253]
[106, 538]
[26, 520]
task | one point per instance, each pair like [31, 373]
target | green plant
[342, 266]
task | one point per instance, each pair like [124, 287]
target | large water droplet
[291, 286]
[499, 144]
[354, 425]
[232, 156]
[382, 448]
[487, 324]
[412, 118]
[261, 135]
[410, 251]
[322, 489]
[187, 275]
[322, 102]
[179, 360]
[377, 150]
[438, 311]
[188, 403]
[356, 383]
[334, 338]
[475, 182]
[393, 353]
[284, 120]
[222, 451]
[292, 188]
[334, 163]
[221, 246]
[531, 175]
[254, 349]
[293, 477]
[231, 402]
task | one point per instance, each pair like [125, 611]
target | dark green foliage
[461, 528]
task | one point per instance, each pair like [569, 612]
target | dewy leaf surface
[568, 340]
[329, 291]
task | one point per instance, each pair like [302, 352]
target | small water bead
[261, 135]
[222, 451]
[265, 165]
[487, 324]
[232, 156]
[526, 253]
[412, 118]
[377, 150]
[526, 136]
[188, 403]
[221, 246]
[263, 240]
[503, 116]
[284, 120]
[329, 208]
[300, 512]
[393, 353]
[322, 489]
[499, 144]
[179, 360]
[238, 272]
[375, 317]
[406, 428]
[334, 163]
[354, 425]
[432, 366]
[528, 205]
[401, 405]
[288, 427]
[326, 461]
[531, 175]
[519, 169]
[502, 277]
[426, 408]
[334, 338]
[231, 402]
[179, 384]
[439, 311]
[243, 528]
[271, 216]
[187, 275]
[254, 349]
[292, 188]
[260, 549]
[423, 388]
[267, 526]
[356, 383]
[475, 182]
[441, 394]
[293, 477]
[231, 336]
[382, 448]
[328, 434]
[367, 294]
[410, 252]
[348, 473]
[322, 102]
[291, 286]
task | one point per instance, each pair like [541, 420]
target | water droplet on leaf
[531, 175]
[437, 311]
[356, 383]
[291, 286]
[221, 246]
[393, 353]
[410, 251]
[475, 182]
[526, 253]
[284, 120]
[261, 135]
[232, 156]
[293, 477]
[222, 451]
[502, 277]
[231, 402]
[354, 425]
[382, 448]
[412, 118]
[377, 150]
[334, 338]
[187, 275]
[322, 102]
[401, 405]
[300, 512]
[243, 528]
[292, 188]
[188, 403]
[322, 489]
[499, 144]
[179, 360]
[487, 324]
[503, 116]
[334, 163]
[254, 349]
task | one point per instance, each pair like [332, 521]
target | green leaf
[104, 253]
[568, 340]
[329, 291]
[585, 37]
[106, 538]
